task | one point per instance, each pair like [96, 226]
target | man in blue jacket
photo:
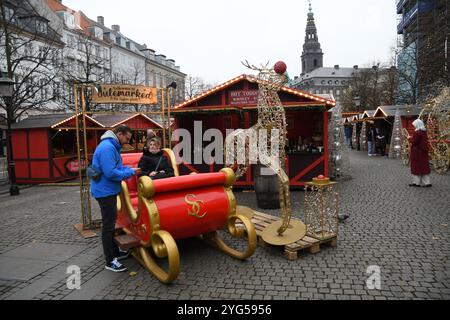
[108, 161]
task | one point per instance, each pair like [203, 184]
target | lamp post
[357, 102]
[173, 85]
[6, 92]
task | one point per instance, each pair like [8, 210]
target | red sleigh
[154, 213]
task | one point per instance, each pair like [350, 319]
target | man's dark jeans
[108, 207]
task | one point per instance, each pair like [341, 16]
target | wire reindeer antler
[251, 67]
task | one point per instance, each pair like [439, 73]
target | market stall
[384, 116]
[233, 105]
[138, 122]
[44, 147]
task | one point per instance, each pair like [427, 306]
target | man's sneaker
[115, 266]
[123, 255]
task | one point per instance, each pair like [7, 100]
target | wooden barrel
[266, 188]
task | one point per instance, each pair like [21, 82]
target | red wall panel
[38, 140]
[40, 169]
[19, 143]
[21, 168]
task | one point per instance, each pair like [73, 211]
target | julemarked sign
[124, 94]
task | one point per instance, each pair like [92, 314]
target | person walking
[420, 165]
[107, 186]
[348, 135]
[370, 140]
[380, 143]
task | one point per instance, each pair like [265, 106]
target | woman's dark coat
[420, 164]
[149, 162]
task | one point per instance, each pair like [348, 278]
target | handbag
[93, 172]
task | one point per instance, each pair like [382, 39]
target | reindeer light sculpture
[271, 122]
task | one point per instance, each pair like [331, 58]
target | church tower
[312, 55]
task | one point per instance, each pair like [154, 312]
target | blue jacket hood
[111, 135]
[108, 160]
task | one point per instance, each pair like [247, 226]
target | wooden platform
[309, 244]
[127, 241]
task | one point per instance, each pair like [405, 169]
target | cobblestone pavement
[403, 230]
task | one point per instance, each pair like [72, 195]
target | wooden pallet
[310, 244]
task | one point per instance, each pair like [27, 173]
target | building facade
[30, 54]
[85, 50]
[423, 29]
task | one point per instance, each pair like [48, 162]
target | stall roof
[113, 120]
[350, 114]
[389, 111]
[325, 99]
[368, 114]
[48, 121]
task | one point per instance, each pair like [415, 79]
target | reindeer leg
[286, 230]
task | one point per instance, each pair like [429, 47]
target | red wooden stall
[44, 147]
[232, 105]
[138, 122]
[407, 115]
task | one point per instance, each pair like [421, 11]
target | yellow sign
[124, 94]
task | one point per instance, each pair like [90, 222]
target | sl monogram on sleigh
[195, 206]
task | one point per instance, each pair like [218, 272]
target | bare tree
[137, 77]
[408, 77]
[85, 62]
[31, 54]
[373, 87]
[196, 85]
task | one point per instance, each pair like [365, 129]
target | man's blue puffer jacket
[107, 158]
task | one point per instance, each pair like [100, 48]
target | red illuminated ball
[321, 177]
[280, 67]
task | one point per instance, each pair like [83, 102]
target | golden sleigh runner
[155, 213]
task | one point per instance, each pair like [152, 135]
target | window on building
[9, 14]
[322, 82]
[80, 44]
[28, 51]
[41, 26]
[315, 62]
[118, 40]
[69, 19]
[80, 69]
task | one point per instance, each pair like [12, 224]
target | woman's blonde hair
[155, 140]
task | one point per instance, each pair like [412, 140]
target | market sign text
[243, 97]
[123, 94]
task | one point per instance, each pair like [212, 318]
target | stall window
[63, 143]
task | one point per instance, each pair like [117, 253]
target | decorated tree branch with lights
[338, 161]
[395, 150]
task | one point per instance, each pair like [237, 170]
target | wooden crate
[310, 244]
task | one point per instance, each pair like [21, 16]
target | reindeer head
[267, 76]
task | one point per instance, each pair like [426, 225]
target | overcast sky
[210, 38]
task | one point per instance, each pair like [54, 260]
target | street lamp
[6, 92]
[173, 85]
